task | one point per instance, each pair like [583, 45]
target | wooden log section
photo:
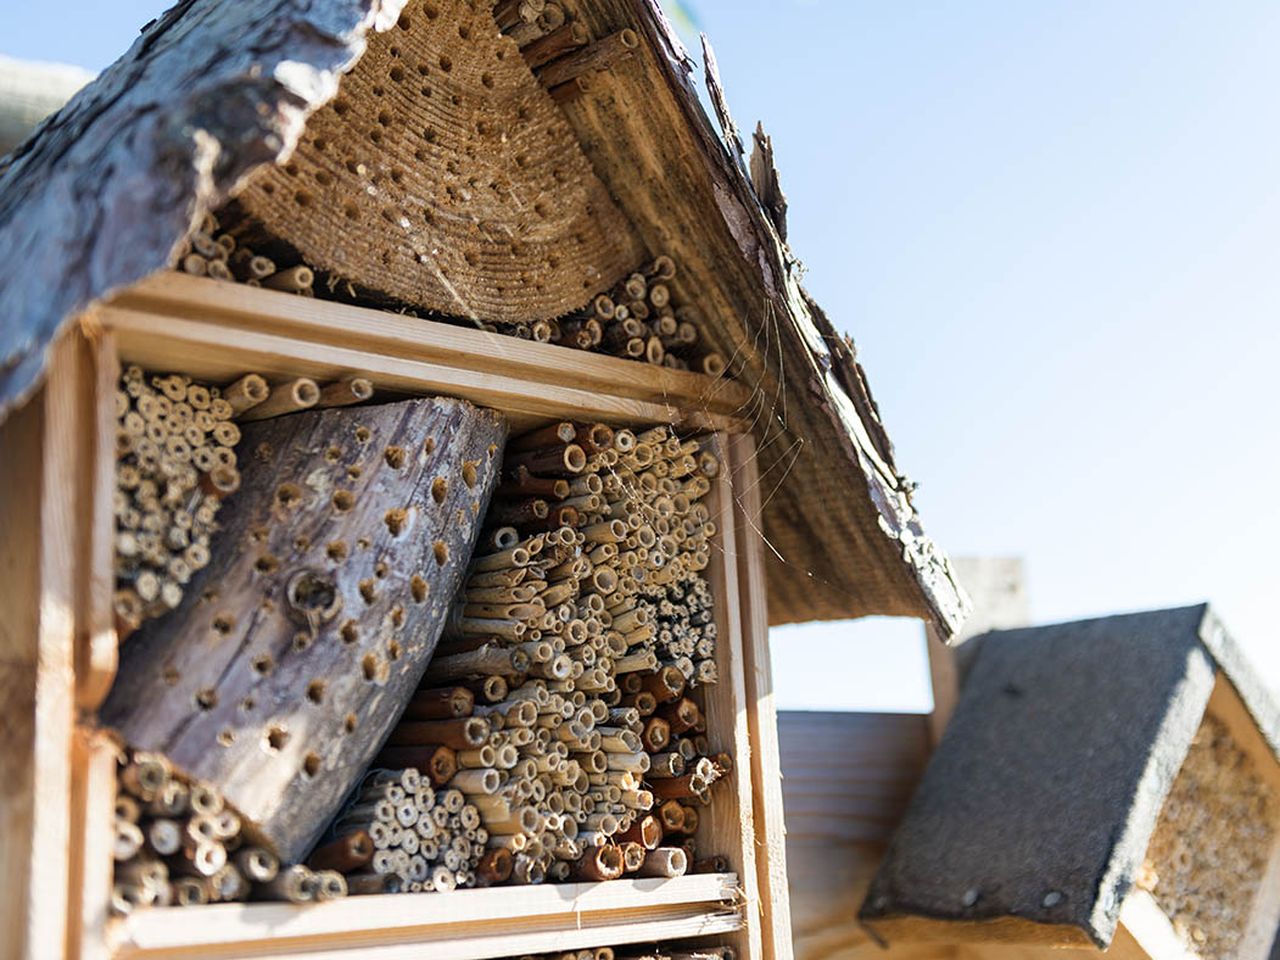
[295, 649]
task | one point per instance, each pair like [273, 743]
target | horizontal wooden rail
[462, 925]
[213, 329]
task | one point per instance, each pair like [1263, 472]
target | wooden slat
[519, 374]
[67, 434]
[96, 643]
[847, 778]
[729, 829]
[762, 715]
[463, 925]
[21, 459]
[92, 832]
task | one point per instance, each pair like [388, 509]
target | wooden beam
[731, 831]
[464, 925]
[762, 715]
[284, 333]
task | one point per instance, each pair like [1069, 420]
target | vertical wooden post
[997, 587]
[730, 827]
[762, 716]
[21, 456]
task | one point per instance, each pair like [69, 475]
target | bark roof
[212, 93]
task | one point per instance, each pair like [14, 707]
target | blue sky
[1053, 230]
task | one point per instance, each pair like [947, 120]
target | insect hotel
[1104, 787]
[412, 424]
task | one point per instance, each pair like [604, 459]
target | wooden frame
[72, 766]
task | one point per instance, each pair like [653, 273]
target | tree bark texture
[296, 649]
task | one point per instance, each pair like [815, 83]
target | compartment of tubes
[558, 731]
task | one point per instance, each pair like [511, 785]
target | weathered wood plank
[294, 651]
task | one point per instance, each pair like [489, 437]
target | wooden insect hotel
[1103, 788]
[411, 423]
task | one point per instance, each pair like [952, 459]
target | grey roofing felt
[1043, 794]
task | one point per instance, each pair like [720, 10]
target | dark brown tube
[646, 831]
[562, 432]
[657, 734]
[600, 863]
[666, 685]
[560, 460]
[525, 484]
[558, 42]
[495, 867]
[345, 854]
[676, 788]
[440, 703]
[682, 715]
[460, 734]
[437, 763]
[596, 438]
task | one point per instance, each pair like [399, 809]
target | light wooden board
[462, 925]
[21, 457]
[847, 778]
[729, 827]
[282, 334]
[762, 715]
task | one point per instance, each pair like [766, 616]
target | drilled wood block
[295, 650]
[444, 176]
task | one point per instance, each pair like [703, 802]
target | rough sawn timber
[295, 650]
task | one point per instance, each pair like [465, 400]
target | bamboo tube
[440, 703]
[346, 854]
[664, 862]
[458, 734]
[600, 863]
[344, 393]
[290, 280]
[437, 763]
[291, 397]
[556, 43]
[560, 460]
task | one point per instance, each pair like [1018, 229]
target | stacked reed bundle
[175, 462]
[178, 843]
[561, 700]
[211, 253]
[398, 834]
[636, 953]
[638, 320]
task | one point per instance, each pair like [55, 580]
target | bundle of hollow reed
[175, 462]
[562, 699]
[178, 843]
[639, 320]
[398, 834]
[632, 952]
[211, 253]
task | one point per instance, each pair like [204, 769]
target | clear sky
[1053, 230]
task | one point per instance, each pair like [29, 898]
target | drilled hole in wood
[288, 494]
[363, 543]
[263, 664]
[343, 500]
[384, 117]
[324, 178]
[315, 691]
[393, 650]
[267, 563]
[351, 211]
[268, 189]
[171, 676]
[350, 632]
[312, 597]
[395, 457]
[431, 10]
[275, 739]
[439, 489]
[223, 623]
[464, 31]
[469, 474]
[397, 616]
[226, 738]
[207, 698]
[396, 520]
[247, 704]
[446, 64]
[375, 668]
[380, 569]
[291, 169]
[363, 435]
[336, 550]
[320, 144]
[375, 136]
[418, 588]
[301, 641]
[350, 723]
[355, 472]
[396, 73]
[333, 454]
[404, 23]
[368, 592]
[302, 198]
[441, 550]
[378, 89]
[310, 765]
[487, 80]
